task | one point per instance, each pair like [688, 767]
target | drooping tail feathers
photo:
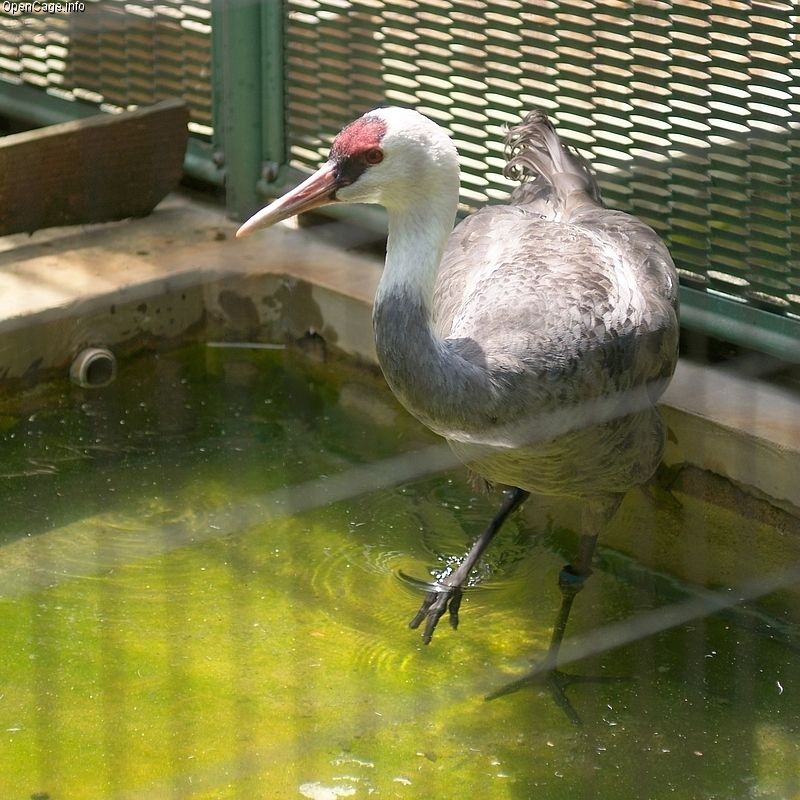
[547, 168]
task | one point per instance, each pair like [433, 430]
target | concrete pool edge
[744, 429]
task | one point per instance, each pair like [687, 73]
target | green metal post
[273, 99]
[237, 86]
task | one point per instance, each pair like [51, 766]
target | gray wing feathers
[549, 171]
[566, 304]
[537, 295]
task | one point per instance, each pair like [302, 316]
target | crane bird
[535, 337]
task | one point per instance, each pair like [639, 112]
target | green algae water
[200, 597]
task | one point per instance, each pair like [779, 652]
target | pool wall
[180, 275]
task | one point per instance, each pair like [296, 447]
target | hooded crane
[535, 338]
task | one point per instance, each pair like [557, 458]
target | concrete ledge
[744, 429]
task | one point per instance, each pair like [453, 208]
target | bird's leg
[447, 594]
[571, 580]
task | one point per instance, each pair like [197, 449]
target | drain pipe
[93, 368]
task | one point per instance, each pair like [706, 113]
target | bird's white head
[390, 156]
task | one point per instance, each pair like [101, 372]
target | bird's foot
[438, 600]
[556, 682]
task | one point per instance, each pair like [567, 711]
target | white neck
[433, 381]
[417, 237]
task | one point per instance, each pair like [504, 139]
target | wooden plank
[100, 168]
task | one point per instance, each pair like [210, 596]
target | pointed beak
[317, 190]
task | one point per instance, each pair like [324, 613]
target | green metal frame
[741, 324]
[248, 85]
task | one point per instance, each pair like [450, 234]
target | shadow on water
[200, 598]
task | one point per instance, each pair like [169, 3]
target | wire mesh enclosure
[689, 110]
[115, 54]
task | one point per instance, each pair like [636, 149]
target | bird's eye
[374, 155]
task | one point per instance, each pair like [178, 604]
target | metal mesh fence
[689, 110]
[116, 54]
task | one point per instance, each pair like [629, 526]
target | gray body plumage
[553, 331]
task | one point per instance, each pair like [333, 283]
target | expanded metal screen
[115, 54]
[689, 110]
